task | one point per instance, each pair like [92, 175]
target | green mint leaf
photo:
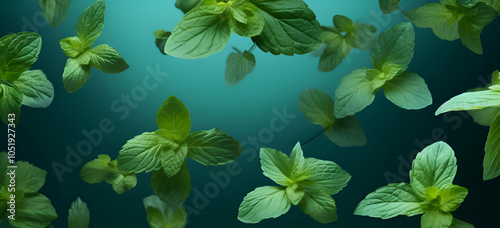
[238, 65]
[327, 176]
[172, 190]
[34, 210]
[97, 170]
[295, 193]
[161, 215]
[471, 101]
[173, 119]
[142, 153]
[29, 178]
[435, 165]
[276, 165]
[390, 201]
[440, 18]
[11, 99]
[297, 161]
[173, 158]
[186, 5]
[263, 203]
[485, 116]
[346, 132]
[342, 23]
[121, 183]
[75, 75]
[388, 6]
[90, 23]
[317, 107]
[354, 93]
[436, 218]
[246, 19]
[460, 224]
[78, 215]
[107, 59]
[213, 147]
[161, 39]
[37, 90]
[336, 50]
[198, 35]
[18, 52]
[451, 197]
[290, 27]
[408, 91]
[72, 46]
[394, 47]
[55, 11]
[320, 206]
[491, 163]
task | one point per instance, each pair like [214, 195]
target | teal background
[244, 111]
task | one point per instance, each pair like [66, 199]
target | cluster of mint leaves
[103, 169]
[307, 182]
[317, 107]
[82, 57]
[32, 209]
[341, 39]
[206, 28]
[430, 191]
[484, 106]
[390, 55]
[18, 84]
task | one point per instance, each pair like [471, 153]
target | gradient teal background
[243, 111]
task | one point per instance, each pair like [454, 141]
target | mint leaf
[72, 46]
[55, 11]
[394, 47]
[75, 75]
[435, 166]
[451, 197]
[90, 23]
[346, 132]
[78, 215]
[37, 90]
[198, 35]
[173, 119]
[290, 27]
[491, 163]
[390, 201]
[336, 50]
[317, 107]
[213, 147]
[161, 39]
[161, 215]
[172, 190]
[320, 206]
[436, 218]
[354, 93]
[263, 203]
[11, 99]
[18, 52]
[246, 19]
[327, 176]
[460, 224]
[97, 170]
[107, 59]
[34, 210]
[408, 91]
[238, 65]
[485, 116]
[276, 165]
[388, 6]
[471, 101]
[173, 158]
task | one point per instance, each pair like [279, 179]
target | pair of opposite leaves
[452, 19]
[32, 209]
[164, 152]
[82, 57]
[483, 104]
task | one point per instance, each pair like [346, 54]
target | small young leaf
[394, 47]
[238, 65]
[161, 39]
[173, 119]
[252, 23]
[97, 170]
[72, 46]
[37, 90]
[78, 216]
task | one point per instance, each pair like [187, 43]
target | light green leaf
[18, 52]
[451, 197]
[72, 46]
[97, 170]
[336, 50]
[78, 216]
[485, 116]
[491, 163]
[495, 76]
[213, 147]
[460, 224]
[11, 99]
[246, 20]
[435, 165]
[471, 101]
[317, 107]
[198, 35]
[390, 201]
[346, 132]
[161, 215]
[440, 18]
[90, 23]
[295, 193]
[276, 165]
[37, 90]
[342, 23]
[55, 10]
[143, 152]
[34, 210]
[29, 178]
[161, 39]
[320, 206]
[408, 91]
[354, 93]
[263, 203]
[186, 5]
[436, 219]
[75, 75]
[388, 6]
[471, 26]
[238, 65]
[172, 190]
[173, 158]
[290, 27]
[173, 119]
[297, 161]
[326, 176]
[107, 59]
[394, 47]
[121, 183]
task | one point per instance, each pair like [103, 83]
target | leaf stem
[313, 138]
[6, 83]
[252, 48]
